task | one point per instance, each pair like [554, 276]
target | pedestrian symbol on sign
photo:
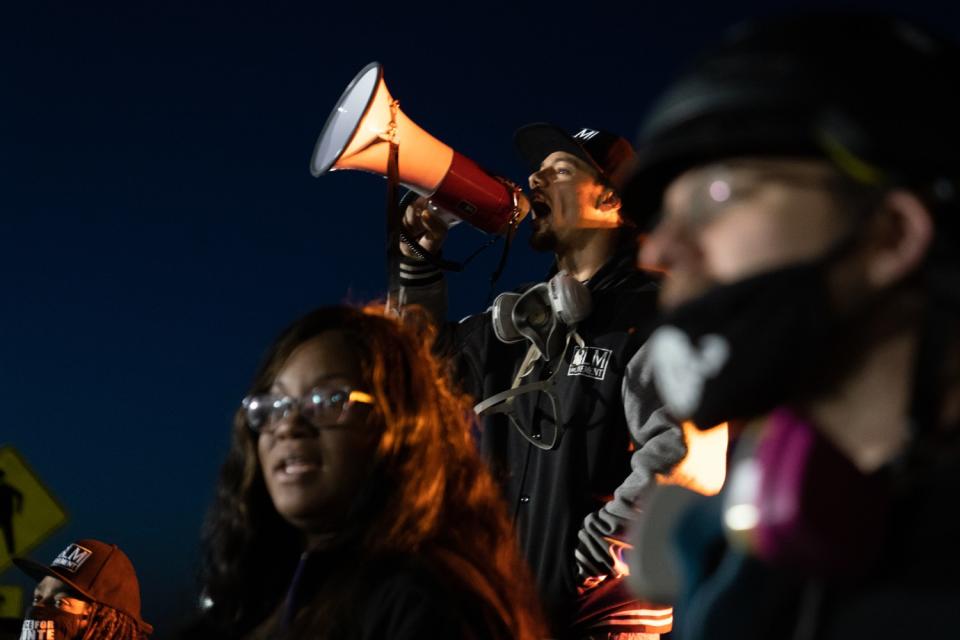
[29, 513]
[11, 503]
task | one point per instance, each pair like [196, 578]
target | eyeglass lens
[318, 407]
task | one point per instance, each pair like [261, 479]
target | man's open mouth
[539, 205]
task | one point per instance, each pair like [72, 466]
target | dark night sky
[159, 224]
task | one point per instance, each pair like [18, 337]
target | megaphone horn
[357, 136]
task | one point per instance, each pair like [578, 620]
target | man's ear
[900, 238]
[608, 200]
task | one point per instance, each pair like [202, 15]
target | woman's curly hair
[432, 495]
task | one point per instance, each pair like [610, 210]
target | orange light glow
[593, 218]
[616, 551]
[653, 617]
[704, 468]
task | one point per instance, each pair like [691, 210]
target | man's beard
[543, 238]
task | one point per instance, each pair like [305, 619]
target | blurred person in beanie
[574, 449]
[807, 181]
[89, 592]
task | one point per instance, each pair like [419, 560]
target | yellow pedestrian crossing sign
[28, 511]
[11, 602]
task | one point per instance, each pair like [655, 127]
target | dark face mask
[49, 623]
[741, 349]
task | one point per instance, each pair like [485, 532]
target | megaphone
[358, 133]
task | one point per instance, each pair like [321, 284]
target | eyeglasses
[714, 188]
[320, 407]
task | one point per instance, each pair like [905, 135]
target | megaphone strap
[393, 215]
[437, 260]
[495, 276]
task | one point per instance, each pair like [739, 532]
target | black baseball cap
[609, 154]
[96, 570]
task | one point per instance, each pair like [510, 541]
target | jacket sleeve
[423, 284]
[659, 447]
[463, 342]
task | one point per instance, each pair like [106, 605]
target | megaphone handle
[426, 256]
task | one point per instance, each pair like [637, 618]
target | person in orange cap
[89, 591]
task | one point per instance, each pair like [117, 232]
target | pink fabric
[783, 452]
[818, 512]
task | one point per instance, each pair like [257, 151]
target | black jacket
[403, 597]
[567, 501]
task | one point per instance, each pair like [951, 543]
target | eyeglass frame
[704, 210]
[294, 404]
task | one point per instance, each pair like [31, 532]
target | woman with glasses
[352, 503]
